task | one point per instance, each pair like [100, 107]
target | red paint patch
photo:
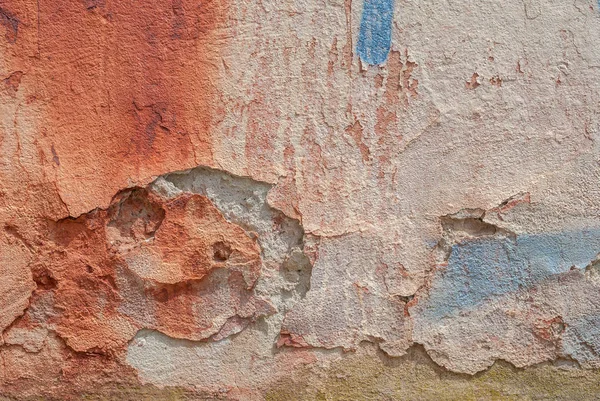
[128, 90]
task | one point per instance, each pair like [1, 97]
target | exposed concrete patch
[243, 201]
[239, 367]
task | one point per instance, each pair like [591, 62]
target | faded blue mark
[375, 36]
[484, 268]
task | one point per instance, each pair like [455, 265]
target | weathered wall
[285, 199]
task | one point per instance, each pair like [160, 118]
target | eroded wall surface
[285, 199]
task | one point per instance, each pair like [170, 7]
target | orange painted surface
[100, 95]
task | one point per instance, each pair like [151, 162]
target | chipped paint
[483, 268]
[312, 200]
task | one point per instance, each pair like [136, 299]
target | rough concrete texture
[312, 200]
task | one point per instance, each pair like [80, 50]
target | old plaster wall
[299, 199]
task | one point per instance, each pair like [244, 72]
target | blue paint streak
[484, 268]
[375, 36]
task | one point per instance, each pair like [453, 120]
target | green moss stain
[139, 393]
[415, 377]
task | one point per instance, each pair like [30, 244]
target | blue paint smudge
[375, 36]
[484, 268]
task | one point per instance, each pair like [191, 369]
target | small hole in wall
[221, 251]
[44, 280]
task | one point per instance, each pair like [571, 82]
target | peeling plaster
[247, 200]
